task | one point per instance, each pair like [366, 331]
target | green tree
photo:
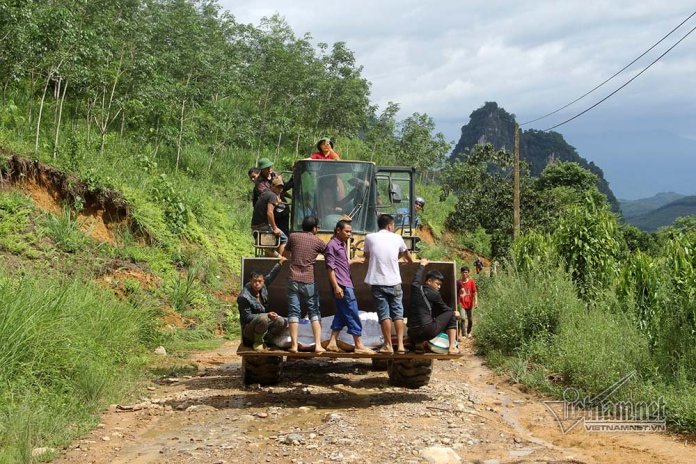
[419, 146]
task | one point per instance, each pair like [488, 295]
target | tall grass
[65, 348]
[533, 321]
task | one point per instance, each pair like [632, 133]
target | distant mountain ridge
[633, 208]
[492, 124]
[664, 215]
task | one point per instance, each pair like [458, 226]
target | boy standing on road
[382, 250]
[428, 314]
[302, 291]
[258, 323]
[338, 266]
[467, 297]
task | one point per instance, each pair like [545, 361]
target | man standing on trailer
[383, 250]
[302, 290]
[338, 267]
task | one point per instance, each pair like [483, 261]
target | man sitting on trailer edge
[428, 314]
[258, 323]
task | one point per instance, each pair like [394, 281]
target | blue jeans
[347, 313]
[300, 296]
[388, 302]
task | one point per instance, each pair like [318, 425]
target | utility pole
[516, 187]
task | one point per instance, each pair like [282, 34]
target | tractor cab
[331, 190]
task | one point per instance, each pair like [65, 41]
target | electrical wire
[613, 76]
[625, 84]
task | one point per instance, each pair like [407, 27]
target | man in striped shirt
[302, 291]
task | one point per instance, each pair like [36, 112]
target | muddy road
[328, 411]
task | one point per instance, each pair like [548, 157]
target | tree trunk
[181, 132]
[60, 114]
[297, 145]
[123, 123]
[181, 126]
[30, 99]
[38, 119]
[4, 91]
[280, 136]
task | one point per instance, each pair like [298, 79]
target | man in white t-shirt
[382, 250]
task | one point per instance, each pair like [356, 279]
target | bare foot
[401, 350]
[293, 349]
[319, 349]
[332, 347]
[364, 350]
[386, 350]
[453, 351]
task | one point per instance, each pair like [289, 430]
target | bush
[65, 231]
[594, 348]
[589, 242]
[516, 308]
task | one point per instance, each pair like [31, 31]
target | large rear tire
[410, 373]
[264, 370]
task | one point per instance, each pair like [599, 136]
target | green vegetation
[158, 108]
[148, 114]
[599, 316]
[65, 348]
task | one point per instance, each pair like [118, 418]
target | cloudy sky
[447, 58]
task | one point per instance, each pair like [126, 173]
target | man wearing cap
[263, 219]
[263, 183]
[325, 150]
[264, 178]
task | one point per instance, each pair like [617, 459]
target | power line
[625, 84]
[613, 76]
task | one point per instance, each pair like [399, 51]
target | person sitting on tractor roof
[325, 150]
[428, 314]
[259, 324]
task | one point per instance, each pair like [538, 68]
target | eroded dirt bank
[341, 411]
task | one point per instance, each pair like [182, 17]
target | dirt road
[342, 411]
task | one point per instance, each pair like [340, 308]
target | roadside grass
[66, 349]
[533, 326]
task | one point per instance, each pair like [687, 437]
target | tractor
[331, 190]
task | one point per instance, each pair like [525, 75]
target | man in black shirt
[263, 219]
[428, 314]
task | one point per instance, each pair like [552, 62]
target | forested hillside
[664, 215]
[492, 124]
[631, 208]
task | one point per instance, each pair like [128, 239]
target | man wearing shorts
[382, 250]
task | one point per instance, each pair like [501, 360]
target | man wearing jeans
[302, 292]
[338, 267]
[382, 250]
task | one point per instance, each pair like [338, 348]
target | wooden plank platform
[247, 351]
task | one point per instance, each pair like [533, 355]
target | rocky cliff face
[492, 124]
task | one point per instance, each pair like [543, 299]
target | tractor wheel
[409, 373]
[264, 370]
[380, 364]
